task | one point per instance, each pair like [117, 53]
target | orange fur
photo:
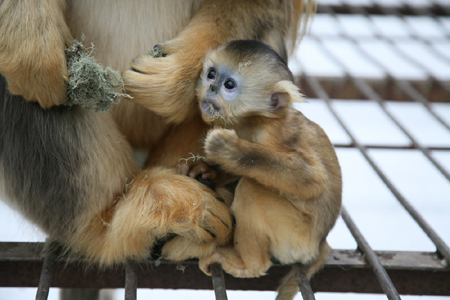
[288, 288]
[120, 210]
[171, 93]
[32, 58]
[157, 203]
[289, 194]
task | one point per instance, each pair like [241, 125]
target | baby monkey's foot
[205, 263]
[233, 264]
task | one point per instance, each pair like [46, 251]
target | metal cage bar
[345, 271]
[131, 281]
[437, 240]
[218, 282]
[380, 272]
[370, 93]
[303, 282]
[45, 279]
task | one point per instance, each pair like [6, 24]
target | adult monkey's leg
[71, 172]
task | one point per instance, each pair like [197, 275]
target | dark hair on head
[249, 49]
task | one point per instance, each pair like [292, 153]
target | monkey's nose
[213, 88]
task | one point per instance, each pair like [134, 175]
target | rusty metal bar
[373, 96]
[386, 146]
[366, 89]
[440, 244]
[437, 9]
[409, 89]
[130, 281]
[45, 278]
[413, 273]
[403, 85]
[303, 282]
[218, 282]
[422, 11]
[381, 274]
[405, 88]
[370, 93]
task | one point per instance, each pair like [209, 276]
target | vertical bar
[380, 272]
[303, 282]
[441, 246]
[130, 282]
[371, 257]
[46, 275]
[218, 282]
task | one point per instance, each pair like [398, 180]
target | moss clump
[90, 85]
[156, 52]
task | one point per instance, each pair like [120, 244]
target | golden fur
[215, 23]
[289, 194]
[120, 211]
[32, 56]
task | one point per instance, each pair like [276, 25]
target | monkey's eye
[229, 84]
[211, 74]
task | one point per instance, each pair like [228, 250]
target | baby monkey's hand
[220, 146]
[196, 169]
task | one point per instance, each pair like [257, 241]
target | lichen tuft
[90, 85]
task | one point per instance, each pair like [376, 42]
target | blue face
[221, 82]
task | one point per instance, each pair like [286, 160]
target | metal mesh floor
[377, 78]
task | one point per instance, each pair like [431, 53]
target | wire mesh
[349, 84]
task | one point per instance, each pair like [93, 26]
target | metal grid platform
[365, 65]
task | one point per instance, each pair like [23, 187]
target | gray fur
[40, 161]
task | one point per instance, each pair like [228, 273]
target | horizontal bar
[415, 273]
[378, 10]
[33, 252]
[390, 147]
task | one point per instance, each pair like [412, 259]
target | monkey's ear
[283, 94]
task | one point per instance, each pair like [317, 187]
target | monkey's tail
[288, 288]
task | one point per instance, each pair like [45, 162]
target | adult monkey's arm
[166, 85]
[32, 40]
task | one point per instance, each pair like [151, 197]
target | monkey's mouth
[210, 109]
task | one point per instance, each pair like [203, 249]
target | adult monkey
[72, 171]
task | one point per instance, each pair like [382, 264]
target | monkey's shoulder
[295, 131]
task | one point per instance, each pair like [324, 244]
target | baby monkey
[289, 192]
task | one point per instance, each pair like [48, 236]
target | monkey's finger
[197, 170]
[218, 224]
[204, 170]
[183, 169]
